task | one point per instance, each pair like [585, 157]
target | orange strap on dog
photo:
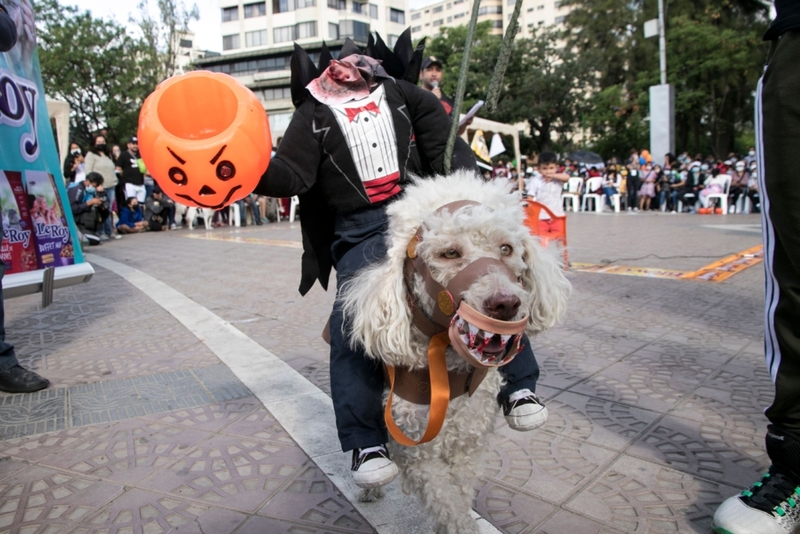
[440, 394]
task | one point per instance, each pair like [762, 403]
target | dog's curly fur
[441, 471]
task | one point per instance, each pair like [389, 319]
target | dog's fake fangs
[477, 340]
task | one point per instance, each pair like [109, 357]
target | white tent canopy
[491, 127]
[58, 112]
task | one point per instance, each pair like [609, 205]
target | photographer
[89, 205]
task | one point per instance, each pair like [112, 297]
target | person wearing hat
[132, 178]
[159, 210]
[431, 75]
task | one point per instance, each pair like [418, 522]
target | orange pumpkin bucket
[205, 139]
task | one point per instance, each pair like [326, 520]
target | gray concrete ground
[655, 390]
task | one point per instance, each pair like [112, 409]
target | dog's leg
[370, 494]
[426, 475]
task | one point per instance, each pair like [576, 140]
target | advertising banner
[38, 228]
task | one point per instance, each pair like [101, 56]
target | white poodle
[441, 471]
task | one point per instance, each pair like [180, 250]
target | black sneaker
[372, 467]
[20, 380]
[524, 411]
[770, 506]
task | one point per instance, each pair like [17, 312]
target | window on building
[490, 10]
[300, 4]
[258, 9]
[282, 6]
[541, 23]
[415, 29]
[437, 22]
[497, 24]
[438, 9]
[337, 4]
[512, 2]
[230, 13]
[397, 15]
[459, 15]
[416, 16]
[256, 38]
[559, 4]
[393, 40]
[358, 7]
[559, 20]
[449, 5]
[449, 19]
[540, 7]
[283, 34]
[278, 122]
[274, 93]
[456, 2]
[186, 43]
[306, 29]
[357, 31]
[529, 9]
[333, 31]
[373, 11]
[230, 42]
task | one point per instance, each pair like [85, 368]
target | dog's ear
[544, 278]
[377, 312]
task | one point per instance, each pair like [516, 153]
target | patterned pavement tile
[9, 466]
[543, 465]
[127, 451]
[510, 510]
[211, 417]
[33, 413]
[311, 498]
[319, 374]
[564, 522]
[597, 421]
[637, 496]
[34, 448]
[137, 511]
[45, 500]
[749, 384]
[259, 424]
[648, 379]
[230, 471]
[729, 456]
[263, 525]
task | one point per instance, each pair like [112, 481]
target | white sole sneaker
[373, 468]
[524, 412]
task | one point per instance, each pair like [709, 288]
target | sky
[207, 29]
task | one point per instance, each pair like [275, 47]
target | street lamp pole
[662, 43]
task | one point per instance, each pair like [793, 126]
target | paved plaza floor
[190, 393]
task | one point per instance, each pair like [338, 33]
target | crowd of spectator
[679, 184]
[112, 194]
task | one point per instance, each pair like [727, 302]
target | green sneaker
[770, 506]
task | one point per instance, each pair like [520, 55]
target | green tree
[161, 36]
[713, 60]
[91, 64]
[547, 89]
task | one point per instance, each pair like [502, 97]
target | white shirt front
[547, 193]
[368, 129]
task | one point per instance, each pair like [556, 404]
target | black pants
[632, 185]
[778, 141]
[357, 380]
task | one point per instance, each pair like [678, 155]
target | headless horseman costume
[346, 159]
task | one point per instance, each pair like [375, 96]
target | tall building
[428, 21]
[186, 53]
[258, 37]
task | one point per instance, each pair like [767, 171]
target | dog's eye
[506, 250]
[451, 254]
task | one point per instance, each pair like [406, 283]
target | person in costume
[361, 129]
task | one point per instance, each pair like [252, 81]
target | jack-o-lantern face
[205, 139]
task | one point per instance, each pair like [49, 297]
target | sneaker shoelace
[774, 493]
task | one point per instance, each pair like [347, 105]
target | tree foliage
[714, 57]
[102, 71]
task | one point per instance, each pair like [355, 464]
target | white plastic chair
[573, 193]
[591, 185]
[234, 214]
[615, 198]
[725, 181]
[293, 208]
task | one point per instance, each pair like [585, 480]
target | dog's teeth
[505, 339]
[473, 330]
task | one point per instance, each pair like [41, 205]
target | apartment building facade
[428, 21]
[258, 40]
